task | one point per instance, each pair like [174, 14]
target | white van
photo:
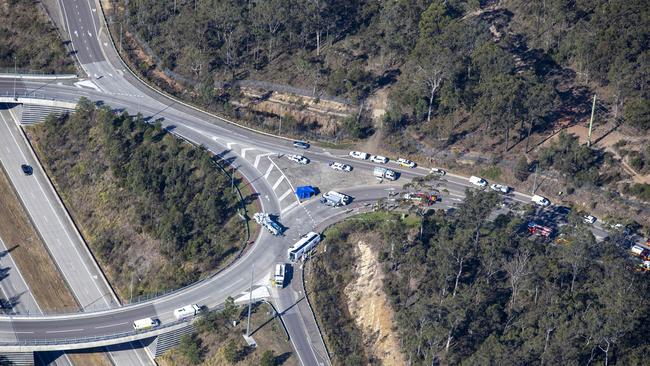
[478, 181]
[187, 311]
[146, 323]
[542, 201]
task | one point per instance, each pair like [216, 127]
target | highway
[111, 84]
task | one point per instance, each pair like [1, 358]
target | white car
[478, 181]
[542, 201]
[589, 219]
[359, 155]
[436, 171]
[500, 188]
[379, 159]
[406, 163]
[340, 167]
[298, 159]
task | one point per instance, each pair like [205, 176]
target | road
[113, 85]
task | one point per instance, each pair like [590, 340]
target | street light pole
[250, 301]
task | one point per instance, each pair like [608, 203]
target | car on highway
[145, 323]
[406, 163]
[27, 169]
[500, 188]
[478, 181]
[541, 201]
[589, 219]
[301, 144]
[379, 159]
[340, 167]
[436, 171]
[298, 159]
[359, 155]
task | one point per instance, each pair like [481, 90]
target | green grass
[491, 173]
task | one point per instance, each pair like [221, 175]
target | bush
[521, 169]
[268, 358]
[191, 347]
[641, 191]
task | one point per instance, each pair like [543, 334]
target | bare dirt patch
[371, 310]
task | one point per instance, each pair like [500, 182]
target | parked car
[27, 169]
[301, 144]
[340, 167]
[406, 163]
[478, 181]
[379, 159]
[359, 155]
[542, 201]
[298, 159]
[500, 188]
[589, 219]
[436, 171]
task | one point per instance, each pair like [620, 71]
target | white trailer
[278, 276]
[187, 311]
[333, 198]
[302, 246]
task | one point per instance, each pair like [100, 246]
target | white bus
[305, 244]
[146, 323]
[278, 277]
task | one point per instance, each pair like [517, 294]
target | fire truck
[536, 229]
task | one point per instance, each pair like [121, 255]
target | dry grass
[29, 253]
[35, 264]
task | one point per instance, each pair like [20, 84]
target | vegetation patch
[219, 342]
[157, 212]
[29, 41]
[468, 290]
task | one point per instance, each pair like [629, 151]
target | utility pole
[250, 301]
[280, 127]
[535, 180]
[15, 76]
[591, 121]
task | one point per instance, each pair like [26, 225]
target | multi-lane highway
[111, 83]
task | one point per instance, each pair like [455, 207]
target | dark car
[27, 169]
[301, 144]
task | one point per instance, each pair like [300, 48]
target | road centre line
[111, 325]
[64, 331]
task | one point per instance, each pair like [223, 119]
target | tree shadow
[281, 359]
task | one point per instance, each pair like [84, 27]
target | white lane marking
[64, 331]
[285, 194]
[277, 182]
[243, 151]
[292, 205]
[268, 171]
[257, 159]
[111, 325]
[15, 332]
[229, 144]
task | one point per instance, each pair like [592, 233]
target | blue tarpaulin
[305, 192]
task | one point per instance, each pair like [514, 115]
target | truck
[421, 198]
[641, 252]
[187, 311]
[145, 323]
[335, 199]
[381, 173]
[536, 229]
[266, 221]
[279, 275]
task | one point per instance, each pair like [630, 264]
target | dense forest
[29, 41]
[468, 290]
[502, 66]
[156, 211]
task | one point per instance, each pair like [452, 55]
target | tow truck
[421, 198]
[266, 221]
